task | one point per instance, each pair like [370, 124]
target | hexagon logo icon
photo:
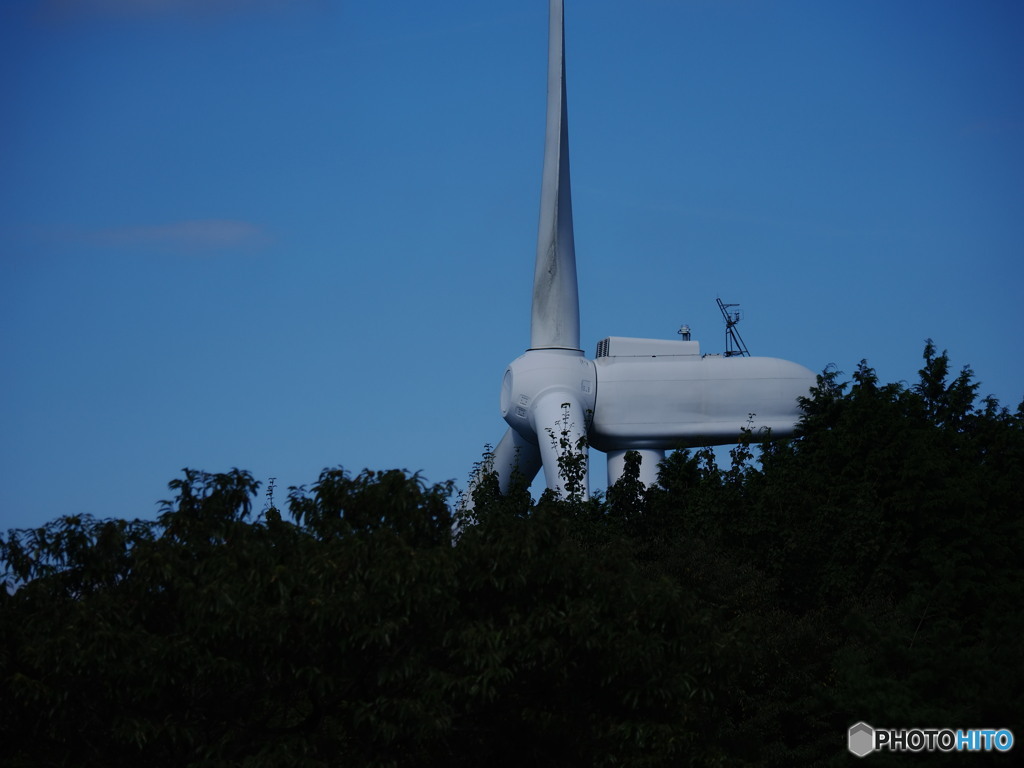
[860, 739]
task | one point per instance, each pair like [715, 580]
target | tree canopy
[868, 569]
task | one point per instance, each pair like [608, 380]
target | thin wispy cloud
[65, 9]
[198, 236]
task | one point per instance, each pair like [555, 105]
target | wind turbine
[644, 395]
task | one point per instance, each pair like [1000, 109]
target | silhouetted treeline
[869, 569]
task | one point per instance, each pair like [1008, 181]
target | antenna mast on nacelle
[734, 346]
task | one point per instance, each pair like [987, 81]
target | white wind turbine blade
[555, 323]
[515, 454]
[561, 434]
[557, 411]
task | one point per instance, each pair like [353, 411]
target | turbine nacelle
[662, 394]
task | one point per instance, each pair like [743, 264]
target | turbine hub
[538, 374]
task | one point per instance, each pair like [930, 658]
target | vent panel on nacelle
[622, 346]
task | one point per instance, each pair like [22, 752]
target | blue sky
[285, 235]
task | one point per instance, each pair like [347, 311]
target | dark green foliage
[882, 557]
[869, 569]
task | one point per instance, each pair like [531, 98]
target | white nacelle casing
[661, 394]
